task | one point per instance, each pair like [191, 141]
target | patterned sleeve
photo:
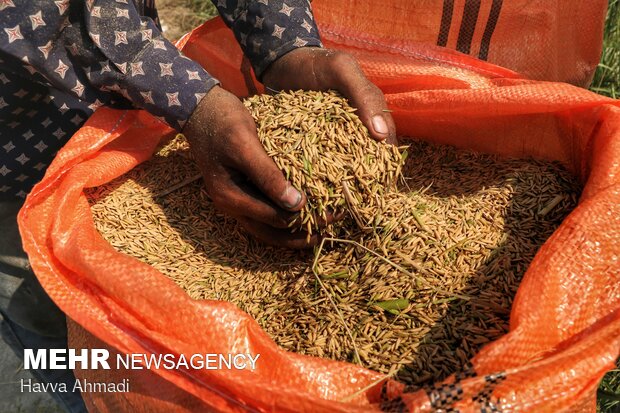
[103, 52]
[144, 67]
[268, 29]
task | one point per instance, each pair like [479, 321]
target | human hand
[311, 68]
[241, 179]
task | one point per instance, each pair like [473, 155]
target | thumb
[264, 173]
[346, 76]
[372, 110]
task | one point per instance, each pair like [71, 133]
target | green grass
[607, 77]
[204, 9]
[609, 392]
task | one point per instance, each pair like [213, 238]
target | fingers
[348, 78]
[373, 112]
[260, 218]
[321, 222]
[322, 69]
[253, 161]
[243, 200]
[278, 237]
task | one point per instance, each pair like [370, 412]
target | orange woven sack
[558, 40]
[565, 321]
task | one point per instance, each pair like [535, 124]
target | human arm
[282, 43]
[104, 52]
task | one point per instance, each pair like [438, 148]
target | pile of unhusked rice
[413, 280]
[345, 172]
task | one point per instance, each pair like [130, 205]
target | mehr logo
[59, 359]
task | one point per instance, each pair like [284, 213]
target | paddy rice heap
[346, 172]
[413, 281]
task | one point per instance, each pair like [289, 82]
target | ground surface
[180, 16]
[11, 398]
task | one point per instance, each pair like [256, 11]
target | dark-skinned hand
[239, 176]
[311, 68]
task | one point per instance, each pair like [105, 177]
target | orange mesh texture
[557, 40]
[565, 321]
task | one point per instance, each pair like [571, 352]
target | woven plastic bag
[558, 40]
[565, 321]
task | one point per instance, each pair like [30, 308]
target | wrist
[293, 70]
[196, 119]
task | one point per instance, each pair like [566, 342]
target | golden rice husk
[427, 279]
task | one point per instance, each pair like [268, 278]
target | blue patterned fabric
[60, 60]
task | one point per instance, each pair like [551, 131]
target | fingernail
[380, 125]
[291, 197]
